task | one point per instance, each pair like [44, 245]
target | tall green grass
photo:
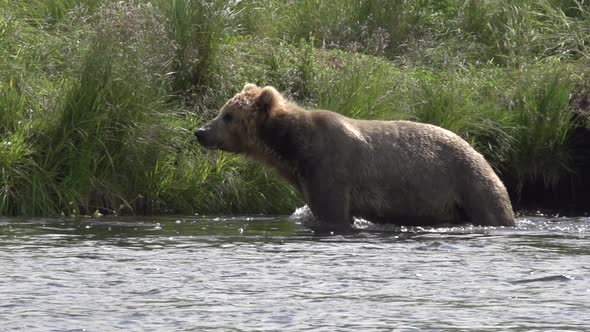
[99, 99]
[24, 185]
[198, 29]
[359, 87]
[543, 129]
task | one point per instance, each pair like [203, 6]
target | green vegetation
[98, 99]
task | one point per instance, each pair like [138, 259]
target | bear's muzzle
[204, 138]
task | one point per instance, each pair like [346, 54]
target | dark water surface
[273, 274]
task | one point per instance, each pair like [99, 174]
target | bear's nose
[202, 136]
[200, 133]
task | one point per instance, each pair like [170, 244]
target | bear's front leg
[330, 203]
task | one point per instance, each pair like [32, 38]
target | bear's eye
[227, 118]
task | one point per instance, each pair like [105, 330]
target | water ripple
[266, 273]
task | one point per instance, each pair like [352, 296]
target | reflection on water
[256, 273]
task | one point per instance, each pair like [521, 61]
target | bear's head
[235, 127]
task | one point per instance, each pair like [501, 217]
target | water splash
[579, 226]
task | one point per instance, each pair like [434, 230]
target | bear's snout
[204, 138]
[200, 133]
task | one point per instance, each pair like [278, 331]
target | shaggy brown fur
[384, 171]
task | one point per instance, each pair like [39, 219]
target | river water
[265, 273]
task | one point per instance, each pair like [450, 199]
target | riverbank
[98, 100]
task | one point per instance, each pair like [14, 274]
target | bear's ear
[268, 98]
[249, 86]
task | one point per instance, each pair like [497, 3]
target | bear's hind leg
[487, 208]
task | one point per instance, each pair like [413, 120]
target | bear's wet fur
[399, 172]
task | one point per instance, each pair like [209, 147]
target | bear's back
[404, 170]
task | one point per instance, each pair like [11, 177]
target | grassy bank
[98, 99]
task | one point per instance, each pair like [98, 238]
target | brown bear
[398, 172]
